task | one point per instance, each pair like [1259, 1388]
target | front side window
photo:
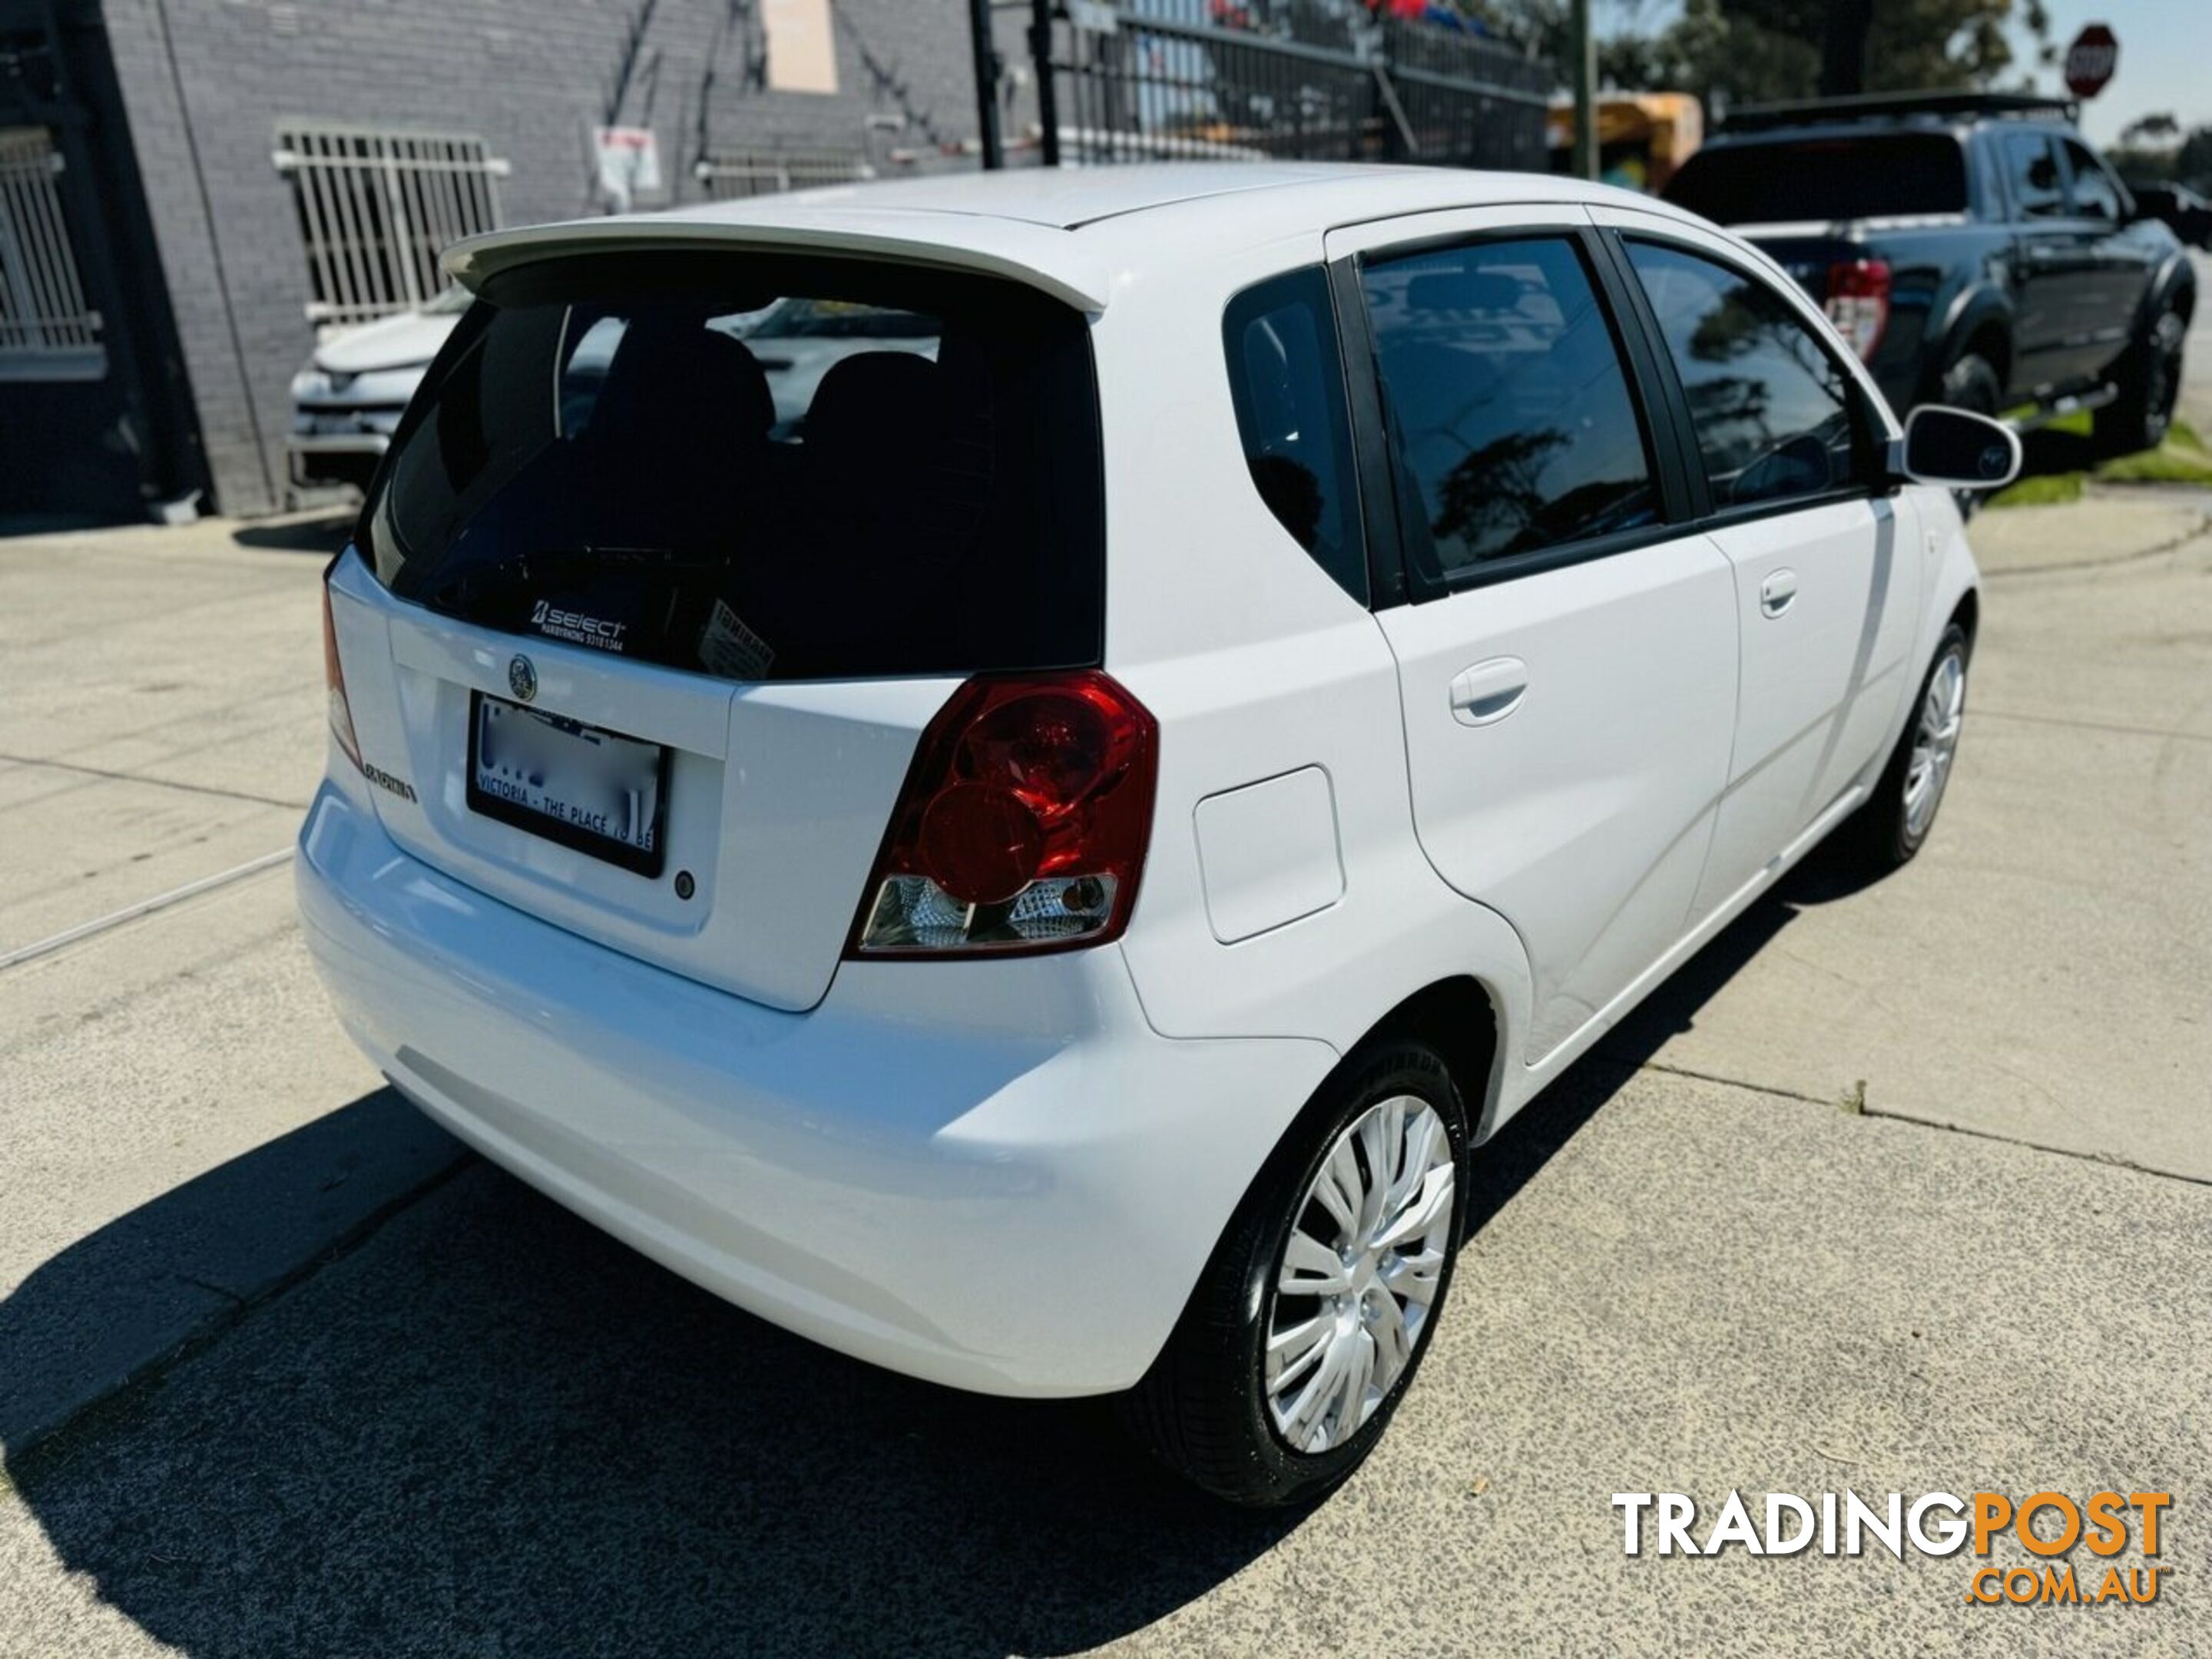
[2031, 166]
[1511, 422]
[1287, 382]
[1773, 407]
[2094, 195]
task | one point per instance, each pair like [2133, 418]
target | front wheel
[1320, 1300]
[1894, 825]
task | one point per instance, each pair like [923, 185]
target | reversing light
[334, 678]
[1858, 303]
[1023, 823]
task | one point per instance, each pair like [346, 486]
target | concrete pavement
[387, 1400]
[494, 1430]
[2043, 972]
[165, 715]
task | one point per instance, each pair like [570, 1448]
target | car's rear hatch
[675, 555]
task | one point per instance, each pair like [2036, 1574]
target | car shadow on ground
[490, 1428]
[325, 533]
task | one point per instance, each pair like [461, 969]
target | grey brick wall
[529, 77]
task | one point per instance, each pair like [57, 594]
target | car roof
[1074, 232]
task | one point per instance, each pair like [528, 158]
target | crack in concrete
[158, 783]
[1860, 1109]
[51, 1447]
[1981, 713]
[2203, 526]
[210, 1287]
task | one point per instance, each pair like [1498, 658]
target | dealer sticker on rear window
[577, 628]
[732, 650]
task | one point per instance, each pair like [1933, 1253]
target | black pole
[987, 84]
[1048, 79]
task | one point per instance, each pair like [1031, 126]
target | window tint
[760, 467]
[2031, 166]
[1854, 177]
[1508, 411]
[1772, 405]
[1288, 384]
[2094, 196]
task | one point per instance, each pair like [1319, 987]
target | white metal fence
[48, 332]
[377, 207]
[732, 175]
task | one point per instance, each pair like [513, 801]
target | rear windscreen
[758, 467]
[1870, 176]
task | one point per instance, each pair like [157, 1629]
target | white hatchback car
[1040, 873]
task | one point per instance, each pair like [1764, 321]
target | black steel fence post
[1048, 78]
[987, 84]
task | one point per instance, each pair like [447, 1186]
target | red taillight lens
[1023, 823]
[334, 678]
[1858, 302]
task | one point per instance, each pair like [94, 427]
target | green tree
[2192, 162]
[1761, 50]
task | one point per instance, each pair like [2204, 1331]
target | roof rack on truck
[1895, 106]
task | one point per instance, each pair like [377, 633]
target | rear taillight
[1023, 823]
[334, 678]
[1858, 302]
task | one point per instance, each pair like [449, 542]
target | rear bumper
[335, 459]
[991, 1175]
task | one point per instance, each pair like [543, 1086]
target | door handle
[1489, 691]
[1778, 592]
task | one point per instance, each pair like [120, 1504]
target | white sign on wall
[628, 160]
[802, 48]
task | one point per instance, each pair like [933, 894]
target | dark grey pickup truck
[1972, 248]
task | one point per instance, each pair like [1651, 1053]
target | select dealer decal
[576, 627]
[2121, 1531]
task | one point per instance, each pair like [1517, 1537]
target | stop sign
[2090, 61]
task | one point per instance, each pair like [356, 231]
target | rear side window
[758, 467]
[1508, 413]
[1773, 407]
[1860, 177]
[2031, 167]
[1287, 382]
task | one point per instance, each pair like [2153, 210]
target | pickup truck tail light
[1858, 302]
[334, 678]
[1022, 824]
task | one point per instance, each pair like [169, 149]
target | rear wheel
[1307, 1329]
[1892, 827]
[2149, 381]
[1971, 383]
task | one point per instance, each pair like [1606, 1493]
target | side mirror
[1956, 448]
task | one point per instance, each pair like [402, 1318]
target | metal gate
[1253, 80]
[376, 209]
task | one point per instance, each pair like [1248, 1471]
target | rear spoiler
[1035, 255]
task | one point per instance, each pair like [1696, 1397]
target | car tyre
[1891, 828]
[2149, 380]
[1279, 1379]
[1971, 383]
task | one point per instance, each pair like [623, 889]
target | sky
[2166, 54]
[2164, 47]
